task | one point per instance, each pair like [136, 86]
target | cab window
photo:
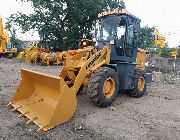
[130, 35]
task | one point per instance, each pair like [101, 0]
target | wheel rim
[141, 83]
[109, 87]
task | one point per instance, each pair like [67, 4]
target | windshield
[111, 28]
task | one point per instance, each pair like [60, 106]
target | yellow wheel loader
[59, 58]
[26, 53]
[51, 58]
[114, 64]
[36, 55]
[31, 53]
[55, 58]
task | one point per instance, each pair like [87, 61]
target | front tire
[103, 86]
[10, 55]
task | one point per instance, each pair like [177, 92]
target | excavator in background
[114, 64]
[6, 47]
[159, 41]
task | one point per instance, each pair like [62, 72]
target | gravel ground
[154, 116]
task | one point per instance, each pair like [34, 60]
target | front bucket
[45, 100]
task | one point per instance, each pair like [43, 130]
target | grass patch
[171, 79]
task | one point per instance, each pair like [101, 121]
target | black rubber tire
[10, 55]
[95, 86]
[80, 90]
[15, 54]
[136, 93]
[53, 62]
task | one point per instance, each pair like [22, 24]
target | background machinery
[115, 64]
[159, 41]
[174, 54]
[6, 48]
[55, 58]
[32, 53]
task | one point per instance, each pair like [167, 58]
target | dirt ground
[156, 116]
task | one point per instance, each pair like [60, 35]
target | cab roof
[118, 12]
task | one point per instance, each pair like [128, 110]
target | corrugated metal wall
[165, 63]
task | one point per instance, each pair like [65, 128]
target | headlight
[84, 43]
[112, 42]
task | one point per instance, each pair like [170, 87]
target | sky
[163, 14]
[9, 7]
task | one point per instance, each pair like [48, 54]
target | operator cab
[120, 30]
[9, 46]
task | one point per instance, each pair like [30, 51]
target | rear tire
[15, 54]
[139, 83]
[103, 86]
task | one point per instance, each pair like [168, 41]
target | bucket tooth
[41, 128]
[23, 114]
[9, 104]
[31, 120]
[16, 108]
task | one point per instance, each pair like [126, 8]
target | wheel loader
[48, 58]
[55, 58]
[114, 64]
[31, 53]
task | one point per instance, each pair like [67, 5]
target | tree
[146, 40]
[178, 55]
[165, 52]
[15, 41]
[61, 23]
